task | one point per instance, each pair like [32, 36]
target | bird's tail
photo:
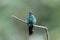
[30, 29]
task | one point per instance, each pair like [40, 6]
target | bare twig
[18, 19]
[46, 29]
[47, 34]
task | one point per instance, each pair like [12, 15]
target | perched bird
[30, 21]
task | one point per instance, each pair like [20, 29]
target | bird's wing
[34, 19]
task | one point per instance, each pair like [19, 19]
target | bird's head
[30, 12]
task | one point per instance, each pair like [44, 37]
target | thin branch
[47, 34]
[46, 29]
[18, 19]
[40, 26]
[26, 23]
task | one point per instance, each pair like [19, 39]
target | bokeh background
[47, 13]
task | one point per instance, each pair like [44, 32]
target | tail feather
[30, 29]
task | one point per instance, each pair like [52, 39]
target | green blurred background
[47, 13]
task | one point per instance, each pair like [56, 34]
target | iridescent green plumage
[30, 21]
[31, 17]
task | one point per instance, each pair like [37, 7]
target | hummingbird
[31, 19]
